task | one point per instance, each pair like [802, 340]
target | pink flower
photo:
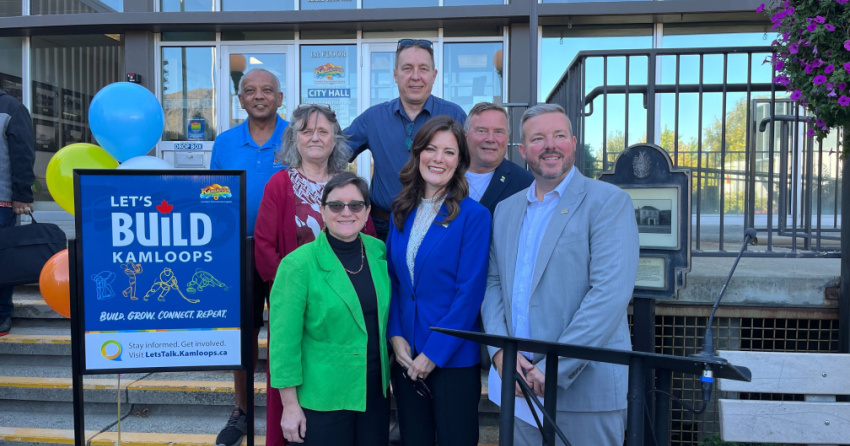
[841, 2]
[847, 45]
[796, 95]
[811, 132]
[817, 62]
[812, 27]
[793, 48]
[820, 123]
[780, 64]
[809, 69]
[842, 86]
[820, 19]
[829, 27]
[781, 80]
[760, 8]
[829, 69]
[847, 67]
[819, 79]
[844, 101]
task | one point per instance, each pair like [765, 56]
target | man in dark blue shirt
[251, 146]
[387, 129]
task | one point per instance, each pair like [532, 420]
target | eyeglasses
[337, 206]
[419, 385]
[409, 129]
[421, 43]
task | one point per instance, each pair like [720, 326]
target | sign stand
[177, 240]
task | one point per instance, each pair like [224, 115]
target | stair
[156, 409]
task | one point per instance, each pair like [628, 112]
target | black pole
[252, 343]
[532, 67]
[550, 398]
[663, 381]
[643, 329]
[76, 347]
[844, 305]
[506, 416]
[637, 388]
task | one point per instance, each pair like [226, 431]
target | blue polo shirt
[382, 129]
[235, 149]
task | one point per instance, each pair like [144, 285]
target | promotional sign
[160, 266]
[329, 76]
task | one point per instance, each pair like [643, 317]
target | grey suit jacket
[581, 286]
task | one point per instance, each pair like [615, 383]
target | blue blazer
[450, 274]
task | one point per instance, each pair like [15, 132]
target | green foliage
[812, 57]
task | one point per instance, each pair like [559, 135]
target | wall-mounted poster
[12, 85]
[329, 76]
[72, 105]
[656, 214]
[45, 135]
[160, 268]
[44, 99]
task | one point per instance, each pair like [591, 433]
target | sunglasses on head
[421, 43]
[418, 385]
[337, 206]
[315, 105]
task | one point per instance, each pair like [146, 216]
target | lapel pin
[503, 179]
[564, 211]
[445, 225]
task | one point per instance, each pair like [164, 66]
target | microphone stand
[708, 351]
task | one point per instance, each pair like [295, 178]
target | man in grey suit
[563, 262]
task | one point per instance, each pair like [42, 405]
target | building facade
[56, 54]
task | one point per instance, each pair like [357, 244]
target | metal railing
[716, 112]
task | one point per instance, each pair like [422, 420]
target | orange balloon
[55, 284]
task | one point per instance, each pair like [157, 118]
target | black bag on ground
[25, 249]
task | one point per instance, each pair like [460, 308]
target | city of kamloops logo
[215, 192]
[111, 350]
[329, 72]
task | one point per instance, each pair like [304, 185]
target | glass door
[379, 85]
[236, 61]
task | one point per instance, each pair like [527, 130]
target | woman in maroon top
[315, 149]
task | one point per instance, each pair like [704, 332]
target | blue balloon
[126, 119]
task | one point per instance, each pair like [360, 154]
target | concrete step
[31, 437]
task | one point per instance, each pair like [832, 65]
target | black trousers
[351, 428]
[451, 416]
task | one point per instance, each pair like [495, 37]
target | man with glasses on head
[387, 129]
[251, 146]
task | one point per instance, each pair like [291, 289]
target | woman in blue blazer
[437, 257]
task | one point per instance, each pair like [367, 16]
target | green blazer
[318, 334]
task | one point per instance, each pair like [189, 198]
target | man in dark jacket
[17, 155]
[491, 177]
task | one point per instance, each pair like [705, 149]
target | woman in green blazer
[329, 308]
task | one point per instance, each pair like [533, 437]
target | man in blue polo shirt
[251, 147]
[387, 129]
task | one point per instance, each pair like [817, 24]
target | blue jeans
[6, 291]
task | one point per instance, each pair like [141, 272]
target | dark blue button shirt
[235, 149]
[382, 129]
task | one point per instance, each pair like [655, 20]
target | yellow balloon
[60, 170]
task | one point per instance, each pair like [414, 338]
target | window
[470, 74]
[188, 92]
[45, 7]
[67, 71]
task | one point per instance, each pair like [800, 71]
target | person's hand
[536, 380]
[402, 351]
[21, 208]
[421, 368]
[292, 422]
[522, 366]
